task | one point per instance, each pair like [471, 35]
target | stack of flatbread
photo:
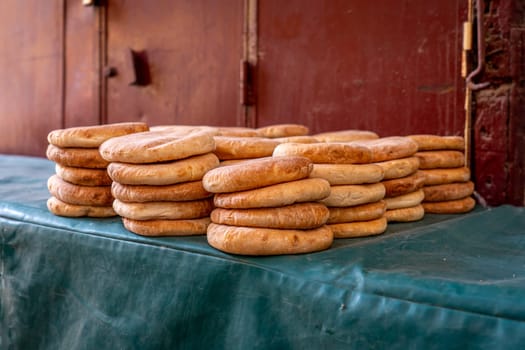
[268, 206]
[448, 189]
[402, 180]
[81, 185]
[355, 201]
[157, 181]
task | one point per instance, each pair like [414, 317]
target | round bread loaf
[76, 157]
[350, 195]
[83, 176]
[60, 208]
[283, 130]
[268, 241]
[348, 174]
[448, 192]
[183, 170]
[363, 212]
[388, 148]
[156, 146]
[162, 228]
[440, 159]
[346, 135]
[92, 136]
[299, 191]
[185, 129]
[456, 206]
[185, 191]
[408, 214]
[406, 200]
[256, 173]
[237, 131]
[359, 228]
[295, 216]
[227, 147]
[77, 194]
[396, 168]
[297, 139]
[445, 175]
[410, 183]
[427, 142]
[331, 153]
[164, 210]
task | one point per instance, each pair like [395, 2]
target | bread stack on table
[447, 186]
[157, 181]
[268, 206]
[81, 185]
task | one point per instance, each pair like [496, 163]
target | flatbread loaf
[350, 195]
[162, 228]
[456, 206]
[228, 147]
[445, 175]
[83, 176]
[298, 191]
[428, 142]
[92, 136]
[156, 146]
[185, 129]
[396, 168]
[346, 135]
[388, 148]
[164, 210]
[256, 173]
[77, 194]
[297, 139]
[410, 199]
[295, 216]
[185, 191]
[409, 214]
[283, 130]
[410, 183]
[359, 228]
[363, 212]
[331, 153]
[183, 170]
[348, 174]
[267, 241]
[76, 157]
[237, 131]
[60, 208]
[448, 192]
[440, 159]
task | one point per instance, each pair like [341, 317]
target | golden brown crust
[346, 135]
[298, 191]
[76, 157]
[348, 174]
[428, 142]
[227, 147]
[456, 206]
[156, 146]
[410, 183]
[283, 130]
[185, 129]
[359, 228]
[185, 191]
[297, 139]
[164, 210]
[79, 195]
[295, 216]
[350, 195]
[396, 168]
[406, 200]
[60, 208]
[92, 136]
[266, 241]
[363, 212]
[237, 131]
[256, 173]
[326, 153]
[388, 148]
[163, 228]
[445, 175]
[83, 176]
[409, 214]
[448, 192]
[440, 159]
[184, 170]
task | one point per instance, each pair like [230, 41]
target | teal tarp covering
[444, 282]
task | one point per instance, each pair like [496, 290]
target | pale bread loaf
[83, 176]
[60, 208]
[428, 142]
[359, 228]
[331, 153]
[348, 174]
[363, 212]
[185, 129]
[448, 192]
[346, 135]
[76, 157]
[410, 183]
[408, 214]
[445, 175]
[456, 206]
[440, 159]
[283, 130]
[396, 168]
[79, 195]
[162, 228]
[164, 210]
[406, 200]
[267, 241]
[388, 148]
[228, 147]
[297, 139]
[185, 191]
[350, 195]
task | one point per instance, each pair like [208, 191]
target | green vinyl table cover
[446, 282]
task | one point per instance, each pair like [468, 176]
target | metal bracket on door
[481, 50]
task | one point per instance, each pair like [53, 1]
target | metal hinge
[246, 84]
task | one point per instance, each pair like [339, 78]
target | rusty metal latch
[481, 50]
